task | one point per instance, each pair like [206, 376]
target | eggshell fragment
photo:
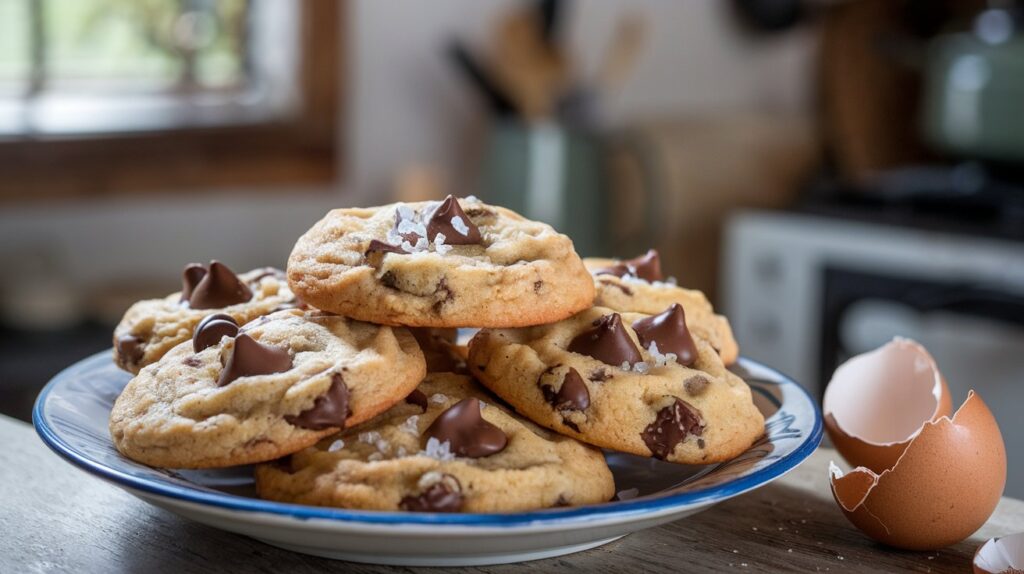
[999, 555]
[876, 402]
[940, 491]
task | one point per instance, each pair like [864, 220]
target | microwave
[805, 292]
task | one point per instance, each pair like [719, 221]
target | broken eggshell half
[876, 402]
[940, 491]
[998, 555]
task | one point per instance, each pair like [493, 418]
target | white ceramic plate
[71, 417]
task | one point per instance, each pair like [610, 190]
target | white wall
[406, 105]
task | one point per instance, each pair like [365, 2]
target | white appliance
[805, 292]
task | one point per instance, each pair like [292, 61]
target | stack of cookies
[344, 381]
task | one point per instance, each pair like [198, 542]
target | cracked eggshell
[940, 491]
[998, 555]
[876, 402]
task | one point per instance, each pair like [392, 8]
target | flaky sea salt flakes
[336, 446]
[642, 367]
[625, 366]
[438, 450]
[410, 425]
[369, 437]
[629, 493]
[439, 245]
[483, 405]
[405, 212]
[472, 198]
[460, 225]
[660, 360]
[438, 399]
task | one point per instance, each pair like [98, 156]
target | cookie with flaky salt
[239, 395]
[451, 263]
[447, 448]
[631, 382]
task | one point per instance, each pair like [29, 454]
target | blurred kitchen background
[831, 173]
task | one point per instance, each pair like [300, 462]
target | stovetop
[963, 199]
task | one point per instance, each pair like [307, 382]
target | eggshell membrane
[997, 555]
[940, 491]
[876, 402]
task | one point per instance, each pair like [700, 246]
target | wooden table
[54, 517]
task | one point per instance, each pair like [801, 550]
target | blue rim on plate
[643, 505]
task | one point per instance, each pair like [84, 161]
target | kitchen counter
[57, 518]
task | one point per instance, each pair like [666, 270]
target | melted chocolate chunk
[572, 396]
[646, 267]
[445, 495]
[219, 288]
[441, 222]
[607, 342]
[211, 329]
[671, 427]
[416, 397]
[669, 331]
[190, 277]
[466, 432]
[250, 357]
[695, 385]
[377, 246]
[443, 294]
[129, 349]
[329, 410]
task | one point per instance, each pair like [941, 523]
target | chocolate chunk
[466, 432]
[600, 375]
[671, 427]
[416, 397]
[443, 294]
[250, 357]
[695, 385]
[441, 221]
[537, 285]
[646, 267]
[389, 280]
[219, 288]
[211, 329]
[445, 495]
[572, 396]
[607, 342]
[190, 277]
[330, 409]
[669, 331]
[377, 246]
[570, 424]
[192, 361]
[129, 349]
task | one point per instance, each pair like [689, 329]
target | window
[101, 96]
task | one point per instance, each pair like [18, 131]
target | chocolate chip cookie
[238, 395]
[447, 448]
[455, 263]
[151, 328]
[632, 382]
[638, 286]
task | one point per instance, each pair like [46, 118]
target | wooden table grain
[55, 518]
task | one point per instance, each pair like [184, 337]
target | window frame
[299, 149]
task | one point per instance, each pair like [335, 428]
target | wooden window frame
[299, 150]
